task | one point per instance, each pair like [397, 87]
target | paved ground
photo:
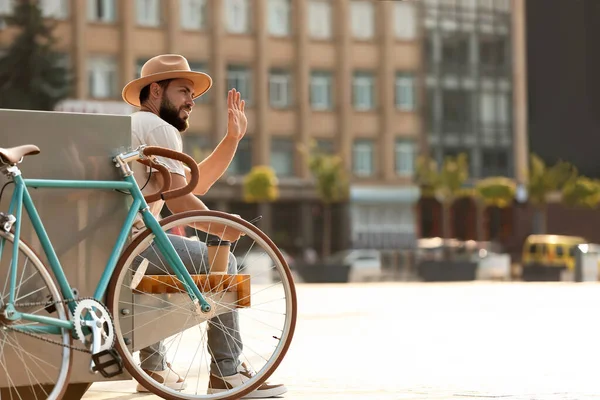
[438, 341]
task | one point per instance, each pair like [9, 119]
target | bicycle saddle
[14, 154]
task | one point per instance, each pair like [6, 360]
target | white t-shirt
[148, 128]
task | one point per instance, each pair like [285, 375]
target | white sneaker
[223, 384]
[168, 377]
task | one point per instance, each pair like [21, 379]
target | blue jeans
[224, 347]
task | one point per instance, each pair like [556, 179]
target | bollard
[578, 273]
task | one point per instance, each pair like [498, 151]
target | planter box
[447, 271]
[323, 273]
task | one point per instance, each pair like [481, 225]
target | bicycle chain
[42, 338]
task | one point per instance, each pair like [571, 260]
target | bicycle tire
[120, 275]
[66, 358]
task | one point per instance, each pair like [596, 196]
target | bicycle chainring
[87, 309]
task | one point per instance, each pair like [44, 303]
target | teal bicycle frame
[22, 197]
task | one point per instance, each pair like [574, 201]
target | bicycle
[131, 307]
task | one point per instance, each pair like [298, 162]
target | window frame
[282, 78]
[362, 11]
[359, 168]
[232, 25]
[274, 27]
[100, 64]
[363, 80]
[320, 15]
[187, 18]
[110, 16]
[322, 80]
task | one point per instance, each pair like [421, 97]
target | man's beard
[170, 114]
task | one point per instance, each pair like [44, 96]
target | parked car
[547, 257]
[365, 264]
[260, 265]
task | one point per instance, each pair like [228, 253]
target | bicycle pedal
[114, 359]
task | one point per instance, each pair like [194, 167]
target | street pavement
[473, 340]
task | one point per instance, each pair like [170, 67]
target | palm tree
[497, 191]
[582, 192]
[544, 180]
[261, 186]
[445, 183]
[332, 186]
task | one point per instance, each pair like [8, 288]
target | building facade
[475, 67]
[344, 73]
[469, 87]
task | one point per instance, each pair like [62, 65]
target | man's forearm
[189, 202]
[215, 165]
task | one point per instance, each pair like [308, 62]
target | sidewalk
[399, 341]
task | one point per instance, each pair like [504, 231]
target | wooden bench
[167, 284]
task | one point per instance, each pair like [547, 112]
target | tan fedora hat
[165, 66]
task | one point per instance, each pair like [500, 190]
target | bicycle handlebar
[164, 193]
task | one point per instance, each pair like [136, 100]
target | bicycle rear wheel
[32, 368]
[154, 306]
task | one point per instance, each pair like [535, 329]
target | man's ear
[155, 90]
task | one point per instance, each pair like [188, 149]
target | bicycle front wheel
[158, 327]
[31, 367]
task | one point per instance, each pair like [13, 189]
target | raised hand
[236, 118]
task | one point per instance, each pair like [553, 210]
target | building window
[455, 50]
[321, 90]
[503, 109]
[494, 109]
[239, 77]
[456, 109]
[488, 114]
[467, 4]
[242, 161]
[6, 7]
[148, 12]
[319, 19]
[280, 88]
[102, 77]
[364, 90]
[492, 51]
[101, 10]
[237, 16]
[279, 17]
[193, 14]
[498, 5]
[363, 157]
[405, 20]
[282, 156]
[502, 5]
[138, 67]
[405, 91]
[432, 51]
[362, 19]
[494, 162]
[405, 157]
[58, 9]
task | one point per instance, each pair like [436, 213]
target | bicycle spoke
[27, 360]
